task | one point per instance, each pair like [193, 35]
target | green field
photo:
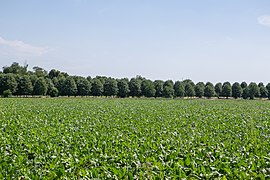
[85, 138]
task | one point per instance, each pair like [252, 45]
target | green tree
[40, 72]
[40, 87]
[25, 86]
[148, 88]
[135, 87]
[69, 87]
[53, 92]
[263, 92]
[188, 81]
[199, 89]
[33, 78]
[97, 87]
[83, 87]
[8, 82]
[243, 85]
[54, 74]
[168, 91]
[218, 89]
[209, 90]
[245, 94]
[123, 89]
[236, 90]
[51, 88]
[189, 90]
[110, 87]
[268, 89]
[253, 89]
[60, 85]
[15, 68]
[159, 88]
[179, 89]
[261, 84]
[7, 93]
[226, 90]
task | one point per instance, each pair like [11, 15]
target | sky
[209, 40]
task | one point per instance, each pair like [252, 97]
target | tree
[263, 92]
[83, 87]
[15, 68]
[97, 87]
[7, 93]
[218, 89]
[54, 74]
[40, 72]
[199, 89]
[25, 86]
[209, 90]
[40, 87]
[268, 89]
[168, 91]
[110, 87]
[33, 78]
[53, 92]
[236, 90]
[123, 89]
[253, 89]
[60, 85]
[159, 88]
[188, 81]
[148, 88]
[261, 87]
[135, 87]
[260, 84]
[243, 85]
[179, 89]
[245, 94]
[8, 82]
[189, 90]
[69, 87]
[226, 90]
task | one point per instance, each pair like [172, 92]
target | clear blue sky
[204, 40]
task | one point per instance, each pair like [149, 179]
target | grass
[134, 139]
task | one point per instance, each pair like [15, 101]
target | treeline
[17, 80]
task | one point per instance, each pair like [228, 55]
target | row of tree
[17, 80]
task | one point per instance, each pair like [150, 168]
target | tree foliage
[8, 82]
[253, 89]
[209, 90]
[218, 89]
[159, 88]
[40, 87]
[97, 87]
[236, 90]
[148, 88]
[226, 90]
[189, 90]
[110, 87]
[25, 86]
[199, 89]
[168, 91]
[69, 87]
[21, 82]
[135, 87]
[179, 89]
[123, 88]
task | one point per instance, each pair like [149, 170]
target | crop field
[86, 138]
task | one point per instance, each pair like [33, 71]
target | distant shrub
[7, 93]
[54, 92]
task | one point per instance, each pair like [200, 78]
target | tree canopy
[19, 81]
